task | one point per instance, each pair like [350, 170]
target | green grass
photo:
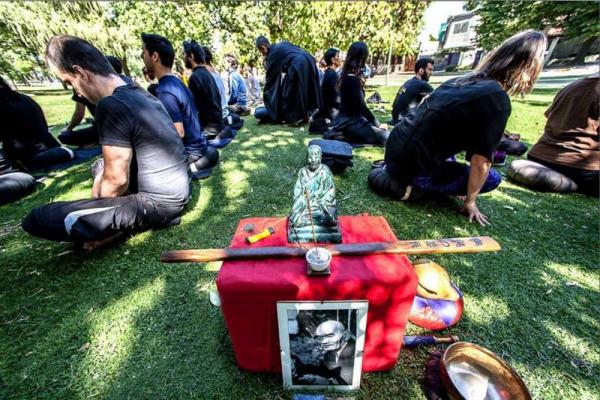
[119, 324]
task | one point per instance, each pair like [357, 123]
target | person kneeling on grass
[355, 123]
[158, 55]
[567, 157]
[469, 114]
[144, 183]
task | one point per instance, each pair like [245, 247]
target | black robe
[292, 83]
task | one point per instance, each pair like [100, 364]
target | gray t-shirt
[133, 118]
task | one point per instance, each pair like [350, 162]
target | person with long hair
[468, 114]
[24, 133]
[355, 123]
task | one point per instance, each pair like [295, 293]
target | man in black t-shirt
[206, 93]
[144, 182]
[413, 90]
[456, 117]
[89, 135]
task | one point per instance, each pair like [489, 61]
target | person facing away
[291, 91]
[158, 55]
[355, 123]
[252, 85]
[24, 133]
[331, 98]
[144, 180]
[230, 118]
[205, 91]
[86, 136]
[237, 102]
[569, 146]
[468, 114]
[413, 90]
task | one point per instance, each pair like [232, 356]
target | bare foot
[97, 244]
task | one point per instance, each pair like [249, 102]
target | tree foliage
[501, 19]
[230, 25]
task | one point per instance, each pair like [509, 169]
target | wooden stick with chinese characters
[475, 244]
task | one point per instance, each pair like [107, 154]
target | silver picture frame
[322, 343]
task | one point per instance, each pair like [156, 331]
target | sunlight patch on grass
[583, 352]
[199, 208]
[486, 310]
[113, 335]
[574, 275]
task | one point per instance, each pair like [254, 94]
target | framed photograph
[322, 343]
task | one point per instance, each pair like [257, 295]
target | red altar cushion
[250, 289]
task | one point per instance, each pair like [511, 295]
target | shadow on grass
[153, 333]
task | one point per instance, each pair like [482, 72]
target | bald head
[330, 334]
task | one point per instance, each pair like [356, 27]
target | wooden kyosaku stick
[435, 246]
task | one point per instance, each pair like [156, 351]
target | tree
[501, 19]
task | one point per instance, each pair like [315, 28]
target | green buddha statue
[314, 191]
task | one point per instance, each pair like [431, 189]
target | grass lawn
[119, 324]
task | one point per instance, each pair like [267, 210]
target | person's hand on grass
[471, 210]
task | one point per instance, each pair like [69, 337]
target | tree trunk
[125, 66]
[583, 50]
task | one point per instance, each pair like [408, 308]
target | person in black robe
[329, 93]
[355, 123]
[24, 133]
[206, 93]
[291, 92]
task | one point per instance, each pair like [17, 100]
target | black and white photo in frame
[322, 343]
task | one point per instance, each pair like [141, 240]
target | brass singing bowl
[471, 372]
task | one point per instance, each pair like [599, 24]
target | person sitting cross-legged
[567, 156]
[144, 182]
[230, 118]
[413, 90]
[24, 133]
[237, 102]
[355, 123]
[469, 114]
[329, 93]
[158, 55]
[205, 91]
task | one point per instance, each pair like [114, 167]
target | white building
[457, 41]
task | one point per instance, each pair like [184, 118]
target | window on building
[460, 27]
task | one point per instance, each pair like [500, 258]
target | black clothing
[409, 96]
[14, 186]
[331, 97]
[291, 88]
[159, 180]
[208, 100]
[80, 137]
[24, 134]
[456, 117]
[96, 219]
[355, 122]
[588, 182]
[134, 119]
[233, 121]
[352, 100]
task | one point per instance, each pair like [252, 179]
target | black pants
[233, 121]
[359, 131]
[96, 219]
[36, 156]
[15, 185]
[587, 181]
[80, 137]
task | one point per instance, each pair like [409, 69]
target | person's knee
[383, 183]
[539, 177]
[31, 223]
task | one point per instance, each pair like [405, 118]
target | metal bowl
[471, 372]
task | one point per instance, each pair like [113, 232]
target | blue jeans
[452, 178]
